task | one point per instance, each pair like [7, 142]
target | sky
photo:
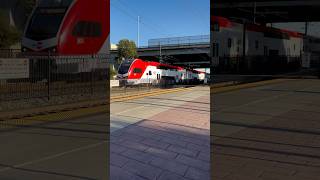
[158, 19]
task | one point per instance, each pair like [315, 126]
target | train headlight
[24, 49]
[54, 50]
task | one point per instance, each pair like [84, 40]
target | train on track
[137, 71]
[238, 45]
[68, 27]
[69, 37]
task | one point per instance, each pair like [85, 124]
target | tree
[8, 35]
[27, 6]
[113, 72]
[126, 49]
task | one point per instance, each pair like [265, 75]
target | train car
[66, 35]
[137, 71]
[229, 46]
[68, 27]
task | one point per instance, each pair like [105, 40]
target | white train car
[137, 71]
[260, 41]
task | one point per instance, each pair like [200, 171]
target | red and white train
[137, 71]
[228, 41]
[68, 27]
[71, 32]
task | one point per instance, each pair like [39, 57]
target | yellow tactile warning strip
[72, 113]
[52, 117]
[141, 95]
[216, 90]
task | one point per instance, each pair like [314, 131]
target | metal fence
[26, 77]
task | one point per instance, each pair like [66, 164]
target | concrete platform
[270, 132]
[162, 137]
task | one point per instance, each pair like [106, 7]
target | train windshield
[45, 24]
[55, 3]
[124, 67]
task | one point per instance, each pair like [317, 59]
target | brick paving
[171, 145]
[273, 135]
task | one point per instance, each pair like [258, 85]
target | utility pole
[160, 52]
[138, 32]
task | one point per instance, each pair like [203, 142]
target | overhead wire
[149, 23]
[134, 17]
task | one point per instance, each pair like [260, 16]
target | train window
[217, 50]
[150, 73]
[124, 67]
[67, 2]
[38, 31]
[229, 42]
[87, 29]
[55, 3]
[213, 50]
[257, 44]
[162, 67]
[216, 26]
[137, 70]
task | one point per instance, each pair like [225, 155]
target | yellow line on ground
[142, 95]
[67, 115]
[216, 90]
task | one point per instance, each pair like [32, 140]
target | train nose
[122, 76]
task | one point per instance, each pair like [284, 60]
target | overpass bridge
[189, 53]
[194, 55]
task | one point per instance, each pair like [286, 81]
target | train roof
[227, 23]
[168, 66]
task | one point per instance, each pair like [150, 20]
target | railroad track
[31, 117]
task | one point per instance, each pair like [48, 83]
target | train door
[215, 54]
[266, 51]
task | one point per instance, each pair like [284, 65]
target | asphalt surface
[267, 132]
[74, 149]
